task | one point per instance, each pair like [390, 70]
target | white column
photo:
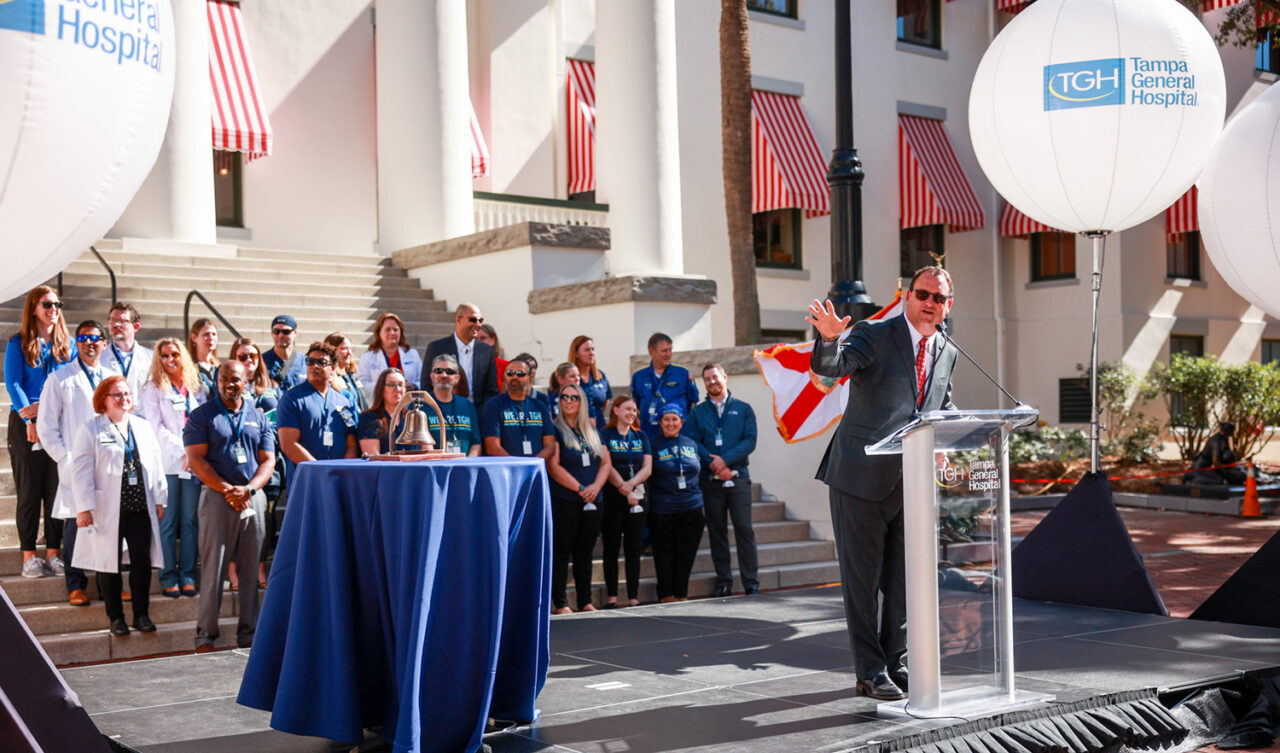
[637, 134]
[424, 136]
[188, 142]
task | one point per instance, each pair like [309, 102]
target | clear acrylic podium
[955, 493]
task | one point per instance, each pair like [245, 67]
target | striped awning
[1209, 5]
[240, 121]
[581, 96]
[787, 167]
[1012, 6]
[1265, 15]
[1181, 217]
[1015, 224]
[932, 187]
[479, 151]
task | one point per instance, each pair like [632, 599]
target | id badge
[241, 456]
[586, 459]
[184, 475]
[328, 438]
[653, 410]
[526, 447]
[106, 438]
[133, 478]
[681, 483]
[719, 439]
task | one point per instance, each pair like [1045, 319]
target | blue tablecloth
[412, 596]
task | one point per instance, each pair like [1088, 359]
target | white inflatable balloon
[1239, 203]
[85, 87]
[1097, 114]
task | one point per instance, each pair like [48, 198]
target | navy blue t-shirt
[461, 426]
[275, 368]
[514, 422]
[674, 459]
[626, 453]
[305, 409]
[213, 424]
[571, 459]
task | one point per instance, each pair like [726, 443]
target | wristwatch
[582, 488]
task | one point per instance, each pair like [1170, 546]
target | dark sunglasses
[321, 362]
[247, 357]
[281, 331]
[570, 398]
[517, 374]
[924, 295]
[89, 338]
[51, 305]
[450, 372]
[475, 319]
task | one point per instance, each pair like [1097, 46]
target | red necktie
[924, 343]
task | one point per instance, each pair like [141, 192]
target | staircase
[325, 293]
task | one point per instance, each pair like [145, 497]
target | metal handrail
[186, 313]
[106, 266]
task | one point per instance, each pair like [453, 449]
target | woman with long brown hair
[344, 373]
[202, 345]
[262, 392]
[623, 520]
[41, 347]
[388, 350]
[582, 353]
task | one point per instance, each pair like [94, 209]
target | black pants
[870, 547]
[35, 477]
[621, 528]
[722, 505]
[575, 531]
[675, 547]
[135, 528]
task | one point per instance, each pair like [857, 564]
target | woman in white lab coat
[120, 492]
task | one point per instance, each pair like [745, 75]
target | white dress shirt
[466, 357]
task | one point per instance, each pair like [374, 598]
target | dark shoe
[752, 590]
[244, 643]
[143, 624]
[118, 627]
[610, 605]
[721, 591]
[899, 677]
[173, 592]
[880, 687]
[204, 648]
[188, 590]
[1250, 738]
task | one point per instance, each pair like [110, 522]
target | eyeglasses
[517, 374]
[46, 305]
[89, 338]
[114, 320]
[247, 357]
[169, 356]
[321, 362]
[450, 372]
[924, 295]
[281, 331]
[570, 398]
[397, 386]
[474, 319]
[120, 395]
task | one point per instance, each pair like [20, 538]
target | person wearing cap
[285, 365]
[675, 505]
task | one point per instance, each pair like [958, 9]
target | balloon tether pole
[1099, 238]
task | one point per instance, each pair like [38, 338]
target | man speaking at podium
[896, 368]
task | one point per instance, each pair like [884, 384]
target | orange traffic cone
[1250, 508]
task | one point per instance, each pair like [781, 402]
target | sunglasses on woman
[247, 357]
[46, 305]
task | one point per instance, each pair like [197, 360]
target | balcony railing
[495, 210]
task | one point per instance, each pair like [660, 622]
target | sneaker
[34, 568]
[56, 566]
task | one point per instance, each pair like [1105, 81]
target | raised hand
[823, 318]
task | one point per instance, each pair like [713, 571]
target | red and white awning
[787, 168]
[1013, 6]
[1181, 217]
[581, 96]
[479, 151]
[240, 122]
[1209, 5]
[932, 187]
[1265, 16]
[1015, 224]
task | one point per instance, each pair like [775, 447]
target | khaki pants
[224, 538]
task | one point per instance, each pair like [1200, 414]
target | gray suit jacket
[880, 363]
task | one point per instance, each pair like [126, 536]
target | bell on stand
[417, 430]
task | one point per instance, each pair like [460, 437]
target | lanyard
[186, 395]
[625, 439]
[46, 357]
[674, 446]
[520, 416]
[657, 383]
[130, 447]
[120, 359]
[93, 380]
[582, 442]
[237, 426]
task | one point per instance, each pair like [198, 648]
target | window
[920, 247]
[227, 197]
[786, 8]
[920, 22]
[1053, 256]
[1268, 56]
[1183, 255]
[783, 336]
[1271, 352]
[1192, 345]
[1074, 401]
[776, 237]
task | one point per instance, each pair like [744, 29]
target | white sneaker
[34, 568]
[55, 566]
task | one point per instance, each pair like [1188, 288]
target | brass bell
[417, 431]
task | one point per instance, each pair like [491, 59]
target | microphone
[942, 330]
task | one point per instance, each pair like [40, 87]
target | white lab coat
[139, 368]
[66, 404]
[97, 466]
[166, 411]
[374, 362]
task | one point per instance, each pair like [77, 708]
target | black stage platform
[761, 673]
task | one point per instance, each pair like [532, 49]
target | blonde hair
[584, 427]
[59, 340]
[160, 378]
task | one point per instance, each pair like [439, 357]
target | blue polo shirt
[626, 453]
[571, 461]
[729, 433]
[275, 368]
[514, 422]
[673, 459]
[305, 409]
[598, 392]
[266, 402]
[651, 392]
[461, 425]
[214, 424]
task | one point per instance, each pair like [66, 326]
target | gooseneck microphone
[942, 330]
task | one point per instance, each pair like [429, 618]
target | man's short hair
[448, 358]
[464, 308]
[134, 317]
[936, 271]
[528, 360]
[90, 324]
[229, 365]
[713, 365]
[324, 347]
[658, 338]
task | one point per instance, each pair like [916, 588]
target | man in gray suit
[896, 368]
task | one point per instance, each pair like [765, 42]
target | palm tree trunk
[735, 129]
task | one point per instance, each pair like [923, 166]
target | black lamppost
[844, 178]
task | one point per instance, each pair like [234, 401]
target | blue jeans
[180, 522]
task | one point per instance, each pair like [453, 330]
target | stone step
[773, 554]
[210, 280]
[8, 531]
[233, 269]
[122, 262]
[6, 480]
[702, 583]
[61, 617]
[8, 504]
[98, 645]
[53, 590]
[290, 255]
[146, 298]
[162, 313]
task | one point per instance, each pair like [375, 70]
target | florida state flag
[805, 404]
